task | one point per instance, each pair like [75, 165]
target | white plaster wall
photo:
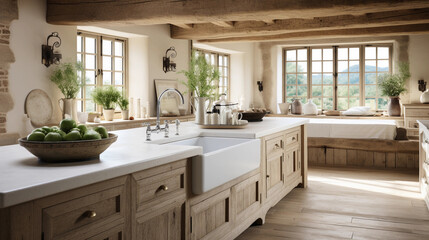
[28, 33]
[418, 51]
[138, 66]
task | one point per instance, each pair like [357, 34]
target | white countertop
[24, 178]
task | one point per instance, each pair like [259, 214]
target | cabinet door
[292, 161]
[246, 198]
[210, 218]
[166, 225]
[274, 173]
[116, 233]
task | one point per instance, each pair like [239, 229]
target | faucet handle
[166, 129]
[177, 121]
[148, 131]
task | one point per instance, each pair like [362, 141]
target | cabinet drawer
[417, 112]
[163, 187]
[85, 214]
[411, 122]
[293, 137]
[274, 146]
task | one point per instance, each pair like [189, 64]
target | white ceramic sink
[223, 159]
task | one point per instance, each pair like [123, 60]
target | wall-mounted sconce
[260, 86]
[48, 55]
[168, 64]
[422, 85]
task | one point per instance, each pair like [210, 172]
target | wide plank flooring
[342, 203]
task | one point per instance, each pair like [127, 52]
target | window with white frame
[221, 61]
[337, 77]
[104, 63]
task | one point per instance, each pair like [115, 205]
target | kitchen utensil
[236, 117]
[38, 107]
[68, 151]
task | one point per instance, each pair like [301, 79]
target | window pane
[290, 79]
[383, 65]
[328, 66]
[370, 78]
[302, 54]
[370, 91]
[342, 103]
[291, 91]
[118, 78]
[89, 106]
[328, 103]
[79, 44]
[353, 102]
[354, 53]
[316, 66]
[354, 90]
[107, 63]
[79, 58]
[302, 66]
[382, 103]
[316, 78]
[317, 91]
[220, 59]
[291, 67]
[302, 79]
[343, 66]
[90, 45]
[369, 52]
[291, 55]
[343, 54]
[328, 54]
[328, 91]
[328, 79]
[90, 77]
[107, 47]
[354, 66]
[79, 105]
[343, 78]
[370, 102]
[343, 91]
[318, 102]
[118, 48]
[118, 64]
[225, 61]
[302, 91]
[370, 66]
[383, 52]
[89, 61]
[88, 91]
[107, 78]
[316, 54]
[354, 78]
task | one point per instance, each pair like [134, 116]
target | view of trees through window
[334, 77]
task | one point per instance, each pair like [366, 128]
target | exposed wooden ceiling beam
[269, 21]
[257, 28]
[224, 24]
[337, 33]
[92, 12]
[183, 25]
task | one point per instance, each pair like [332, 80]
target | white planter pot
[424, 98]
[125, 114]
[284, 108]
[309, 108]
[108, 114]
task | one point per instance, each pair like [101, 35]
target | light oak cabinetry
[424, 160]
[412, 113]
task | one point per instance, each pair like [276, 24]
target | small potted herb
[393, 85]
[108, 98]
[123, 104]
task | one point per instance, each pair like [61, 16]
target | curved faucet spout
[159, 102]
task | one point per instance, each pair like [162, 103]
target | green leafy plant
[393, 85]
[108, 96]
[123, 103]
[66, 77]
[202, 77]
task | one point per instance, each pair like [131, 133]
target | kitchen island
[130, 180]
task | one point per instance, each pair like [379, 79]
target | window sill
[401, 118]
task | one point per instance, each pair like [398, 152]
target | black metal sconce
[168, 64]
[48, 55]
[260, 86]
[422, 85]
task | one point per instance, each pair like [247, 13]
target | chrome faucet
[158, 127]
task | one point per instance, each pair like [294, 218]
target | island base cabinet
[211, 218]
[246, 198]
[116, 233]
[275, 175]
[164, 226]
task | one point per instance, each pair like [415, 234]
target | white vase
[200, 109]
[309, 108]
[424, 98]
[68, 108]
[108, 114]
[284, 108]
[125, 114]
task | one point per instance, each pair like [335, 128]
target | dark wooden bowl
[68, 151]
[253, 116]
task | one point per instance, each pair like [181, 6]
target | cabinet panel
[116, 233]
[293, 137]
[274, 173]
[210, 218]
[167, 225]
[246, 197]
[274, 146]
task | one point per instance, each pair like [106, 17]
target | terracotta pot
[394, 107]
[296, 107]
[108, 114]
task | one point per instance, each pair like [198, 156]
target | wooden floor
[349, 204]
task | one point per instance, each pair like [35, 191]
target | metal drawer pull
[163, 187]
[277, 146]
[268, 176]
[90, 214]
[293, 138]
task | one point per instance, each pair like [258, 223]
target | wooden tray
[223, 126]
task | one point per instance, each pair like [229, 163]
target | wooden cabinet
[211, 218]
[424, 161]
[412, 113]
[246, 198]
[274, 175]
[158, 202]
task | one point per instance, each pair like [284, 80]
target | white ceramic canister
[424, 98]
[309, 108]
[215, 118]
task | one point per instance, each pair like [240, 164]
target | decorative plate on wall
[38, 107]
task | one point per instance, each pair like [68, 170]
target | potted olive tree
[67, 79]
[393, 85]
[123, 104]
[202, 83]
[108, 98]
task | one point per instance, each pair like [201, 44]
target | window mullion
[361, 76]
[335, 76]
[309, 75]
